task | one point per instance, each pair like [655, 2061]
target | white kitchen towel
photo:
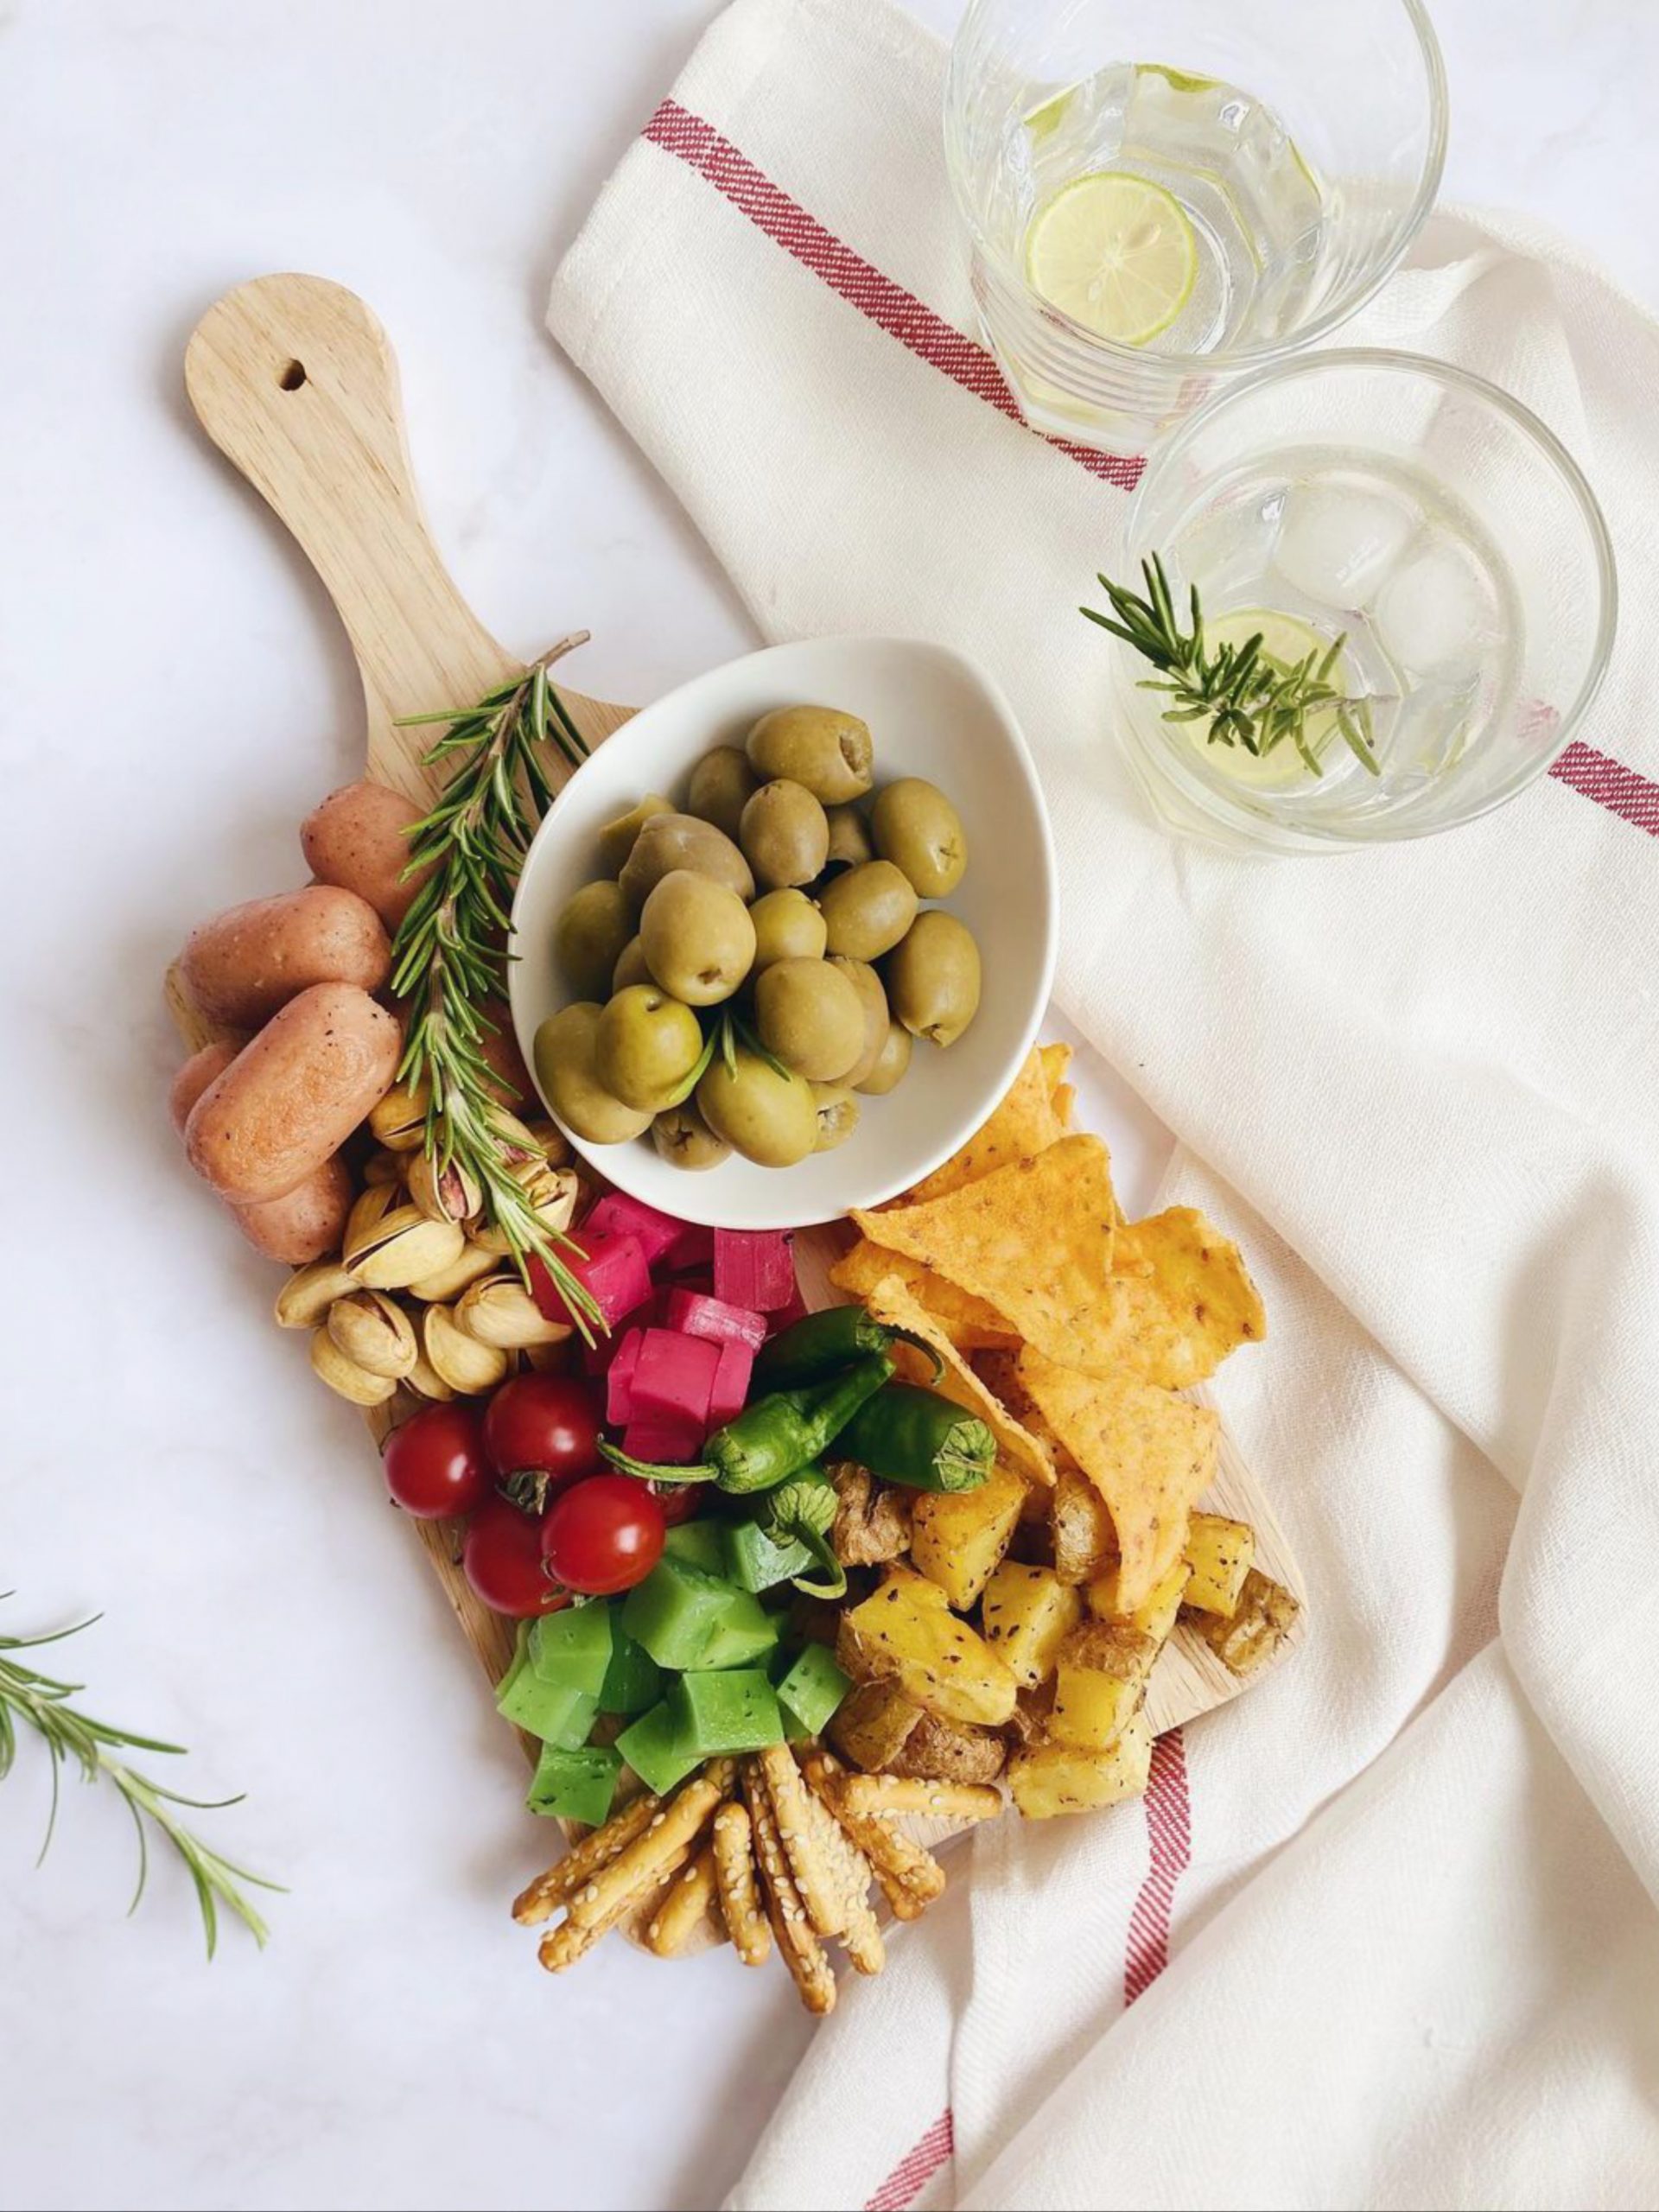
[1385, 1933]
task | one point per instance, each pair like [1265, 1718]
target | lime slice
[1287, 641]
[1044, 120]
[1179, 81]
[1115, 252]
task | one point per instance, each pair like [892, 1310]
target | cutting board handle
[294, 379]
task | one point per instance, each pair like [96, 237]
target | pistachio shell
[399, 1120]
[425, 1380]
[345, 1376]
[442, 1193]
[552, 1141]
[383, 1166]
[309, 1292]
[402, 1247]
[475, 1261]
[514, 1134]
[369, 1208]
[499, 1311]
[458, 1359]
[552, 1192]
[374, 1332]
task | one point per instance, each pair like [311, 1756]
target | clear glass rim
[1244, 357]
[1538, 432]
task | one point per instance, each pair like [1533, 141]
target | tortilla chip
[1056, 1060]
[1022, 1126]
[971, 1323]
[891, 1302]
[1151, 1457]
[1181, 1299]
[1034, 1240]
[1063, 1099]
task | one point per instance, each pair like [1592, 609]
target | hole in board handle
[292, 377]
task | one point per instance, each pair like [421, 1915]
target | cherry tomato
[603, 1534]
[502, 1559]
[435, 1462]
[679, 1501]
[545, 1425]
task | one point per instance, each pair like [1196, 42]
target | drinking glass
[1284, 152]
[1414, 531]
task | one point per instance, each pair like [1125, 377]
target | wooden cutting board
[293, 381]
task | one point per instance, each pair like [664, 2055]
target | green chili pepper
[825, 1341]
[775, 1437]
[913, 1436]
[803, 1511]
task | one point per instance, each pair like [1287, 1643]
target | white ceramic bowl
[930, 714]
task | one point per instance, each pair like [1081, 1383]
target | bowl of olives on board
[783, 942]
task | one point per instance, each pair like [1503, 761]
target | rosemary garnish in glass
[1248, 698]
[450, 953]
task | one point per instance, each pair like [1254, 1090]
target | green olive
[588, 939]
[837, 1113]
[828, 752]
[616, 838]
[563, 1053]
[810, 1017]
[849, 838]
[916, 827]
[873, 999]
[771, 1119]
[668, 841]
[788, 926]
[891, 1062]
[866, 911]
[646, 1045]
[722, 784]
[698, 937]
[783, 836]
[933, 978]
[685, 1140]
[631, 968]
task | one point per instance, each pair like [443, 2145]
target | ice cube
[1336, 543]
[1433, 615]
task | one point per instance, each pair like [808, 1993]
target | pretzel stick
[883, 1795]
[860, 1935]
[562, 1947]
[734, 1872]
[798, 1946]
[685, 1902]
[820, 1893]
[663, 1848]
[898, 1865]
[549, 1891]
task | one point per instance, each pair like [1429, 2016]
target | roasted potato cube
[1157, 1618]
[1220, 1554]
[853, 1658]
[1052, 1778]
[1265, 1616]
[921, 1587]
[1099, 1682]
[1086, 1543]
[957, 1538]
[938, 1750]
[910, 1633]
[872, 1725]
[871, 1522]
[1028, 1613]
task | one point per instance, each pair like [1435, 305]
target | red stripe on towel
[916, 2169]
[1169, 1824]
[1610, 783]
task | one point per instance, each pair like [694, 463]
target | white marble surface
[173, 695]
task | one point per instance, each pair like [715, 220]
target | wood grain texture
[294, 381]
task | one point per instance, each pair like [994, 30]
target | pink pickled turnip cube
[618, 1379]
[672, 1379]
[693, 1247]
[696, 1315]
[613, 1270]
[787, 1316]
[618, 1215]
[731, 1391]
[754, 1267]
[597, 1358]
[663, 1443]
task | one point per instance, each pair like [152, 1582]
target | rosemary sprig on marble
[1248, 698]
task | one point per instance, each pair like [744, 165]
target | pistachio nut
[474, 1263]
[499, 1311]
[443, 1193]
[345, 1376]
[552, 1194]
[459, 1360]
[309, 1292]
[399, 1120]
[371, 1329]
[512, 1135]
[401, 1247]
[383, 1166]
[425, 1380]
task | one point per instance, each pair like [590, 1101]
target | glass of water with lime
[1159, 197]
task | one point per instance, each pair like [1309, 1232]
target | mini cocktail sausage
[357, 837]
[245, 963]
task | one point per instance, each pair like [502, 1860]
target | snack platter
[1120, 1559]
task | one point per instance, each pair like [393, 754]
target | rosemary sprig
[1248, 698]
[41, 1703]
[450, 955]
